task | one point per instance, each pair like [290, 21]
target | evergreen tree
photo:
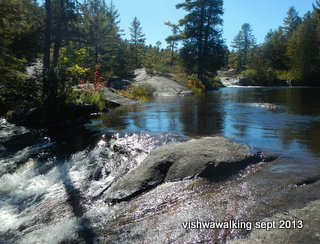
[20, 42]
[303, 51]
[64, 18]
[137, 40]
[47, 38]
[157, 56]
[113, 42]
[274, 50]
[96, 26]
[173, 39]
[203, 48]
[243, 42]
[291, 22]
[316, 6]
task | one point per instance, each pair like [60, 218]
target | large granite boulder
[214, 158]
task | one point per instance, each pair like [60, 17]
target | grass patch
[141, 92]
[93, 98]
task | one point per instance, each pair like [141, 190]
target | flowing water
[50, 181]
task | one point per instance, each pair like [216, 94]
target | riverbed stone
[213, 158]
[295, 226]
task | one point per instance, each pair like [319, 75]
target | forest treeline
[81, 42]
[289, 53]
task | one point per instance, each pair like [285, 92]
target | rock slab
[214, 158]
[163, 86]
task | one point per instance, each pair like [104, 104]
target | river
[50, 180]
[283, 120]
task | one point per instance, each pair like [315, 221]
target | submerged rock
[214, 158]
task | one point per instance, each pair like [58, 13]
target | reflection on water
[285, 120]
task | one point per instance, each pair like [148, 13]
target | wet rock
[185, 93]
[309, 181]
[213, 158]
[39, 117]
[232, 73]
[299, 226]
[258, 192]
[116, 99]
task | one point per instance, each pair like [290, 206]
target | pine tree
[242, 43]
[173, 39]
[274, 50]
[303, 51]
[96, 26]
[113, 44]
[203, 48]
[157, 56]
[47, 37]
[64, 18]
[137, 40]
[291, 22]
[316, 6]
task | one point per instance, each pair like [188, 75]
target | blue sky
[263, 15]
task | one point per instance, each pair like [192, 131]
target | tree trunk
[47, 36]
[58, 40]
[200, 41]
[172, 52]
[46, 52]
[96, 54]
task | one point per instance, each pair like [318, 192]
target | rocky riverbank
[28, 115]
[179, 188]
[232, 78]
[133, 190]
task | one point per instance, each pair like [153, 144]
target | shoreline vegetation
[79, 45]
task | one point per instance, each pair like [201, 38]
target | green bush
[259, 76]
[88, 97]
[212, 82]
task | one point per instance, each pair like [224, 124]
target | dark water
[49, 180]
[283, 120]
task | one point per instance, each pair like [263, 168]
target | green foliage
[20, 26]
[304, 49]
[291, 53]
[173, 39]
[212, 82]
[137, 42]
[195, 84]
[291, 22]
[260, 76]
[88, 97]
[203, 47]
[243, 43]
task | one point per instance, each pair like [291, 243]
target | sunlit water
[284, 120]
[49, 180]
